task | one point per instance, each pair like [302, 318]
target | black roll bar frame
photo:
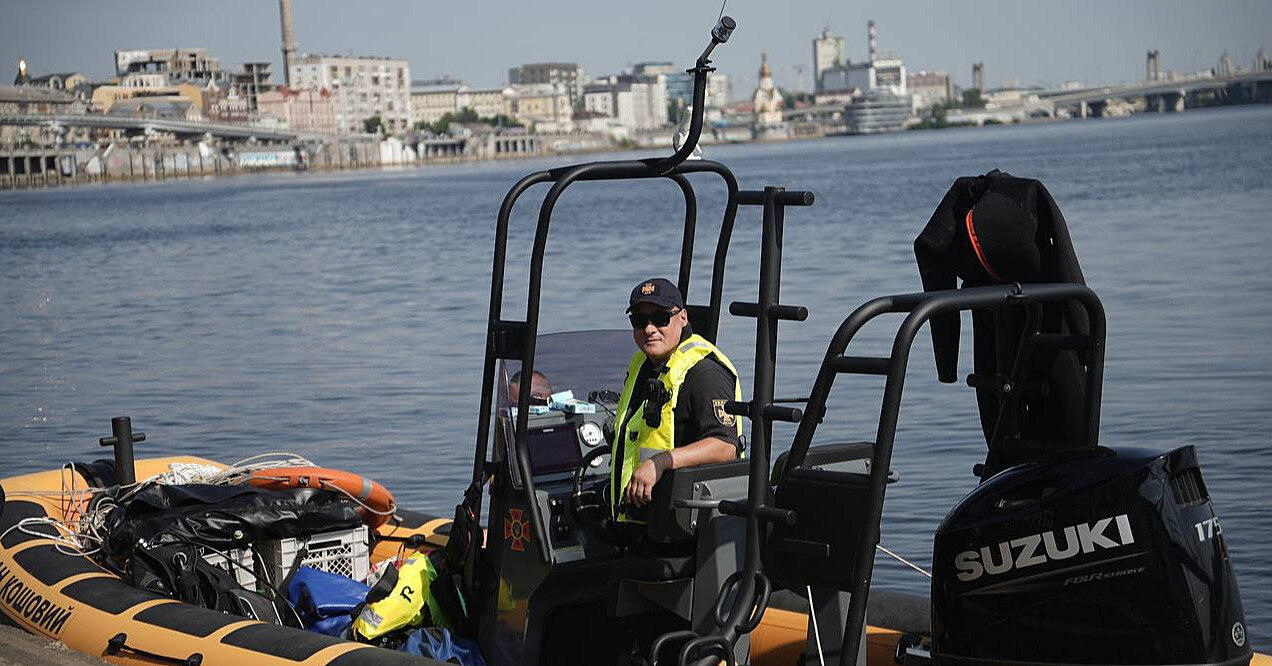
[921, 307]
[516, 339]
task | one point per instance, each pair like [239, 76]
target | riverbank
[19, 647]
[38, 168]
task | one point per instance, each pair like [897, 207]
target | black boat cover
[999, 229]
[221, 516]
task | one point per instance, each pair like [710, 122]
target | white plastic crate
[243, 570]
[343, 552]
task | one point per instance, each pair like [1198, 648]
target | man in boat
[540, 388]
[671, 413]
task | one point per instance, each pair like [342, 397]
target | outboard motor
[1095, 557]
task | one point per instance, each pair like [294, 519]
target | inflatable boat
[51, 590]
[1068, 551]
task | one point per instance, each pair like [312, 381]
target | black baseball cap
[658, 291]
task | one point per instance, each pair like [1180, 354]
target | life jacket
[636, 439]
[400, 602]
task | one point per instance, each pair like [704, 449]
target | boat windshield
[578, 361]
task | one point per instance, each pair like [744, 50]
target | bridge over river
[1165, 95]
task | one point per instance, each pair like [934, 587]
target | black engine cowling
[1107, 557]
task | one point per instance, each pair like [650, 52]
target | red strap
[980, 253]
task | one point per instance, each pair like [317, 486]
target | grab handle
[119, 643]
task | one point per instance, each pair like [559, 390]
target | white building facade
[638, 103]
[431, 101]
[568, 75]
[927, 89]
[544, 106]
[361, 87]
[829, 53]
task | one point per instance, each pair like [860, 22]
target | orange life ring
[377, 501]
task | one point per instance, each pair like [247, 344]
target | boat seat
[829, 492]
[669, 524]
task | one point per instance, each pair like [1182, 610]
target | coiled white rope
[84, 510]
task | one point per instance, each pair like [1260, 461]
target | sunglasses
[659, 318]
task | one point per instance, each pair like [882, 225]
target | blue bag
[325, 601]
[438, 643]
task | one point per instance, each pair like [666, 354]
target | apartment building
[361, 87]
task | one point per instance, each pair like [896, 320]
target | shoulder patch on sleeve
[726, 419]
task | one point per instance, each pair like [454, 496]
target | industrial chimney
[289, 38]
[872, 35]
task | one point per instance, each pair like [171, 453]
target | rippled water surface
[342, 316]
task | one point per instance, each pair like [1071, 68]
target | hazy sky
[1020, 41]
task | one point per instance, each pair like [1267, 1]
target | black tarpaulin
[223, 517]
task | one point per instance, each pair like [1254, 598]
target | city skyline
[1104, 43]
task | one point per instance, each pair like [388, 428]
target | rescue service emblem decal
[647, 288]
[726, 419]
[516, 530]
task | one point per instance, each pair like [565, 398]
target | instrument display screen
[554, 449]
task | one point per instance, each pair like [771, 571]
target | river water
[342, 316]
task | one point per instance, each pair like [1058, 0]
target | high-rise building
[568, 75]
[829, 53]
[361, 87]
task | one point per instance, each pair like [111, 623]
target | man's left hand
[640, 490]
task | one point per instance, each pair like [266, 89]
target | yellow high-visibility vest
[637, 441]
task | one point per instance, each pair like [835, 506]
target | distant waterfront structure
[829, 54]
[27, 99]
[636, 102]
[890, 75]
[432, 99]
[362, 87]
[978, 75]
[251, 80]
[872, 38]
[302, 110]
[72, 82]
[289, 37]
[1226, 67]
[1153, 69]
[566, 74]
[544, 106]
[660, 68]
[928, 89]
[22, 77]
[876, 112]
[146, 68]
[766, 104]
[485, 102]
[680, 89]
